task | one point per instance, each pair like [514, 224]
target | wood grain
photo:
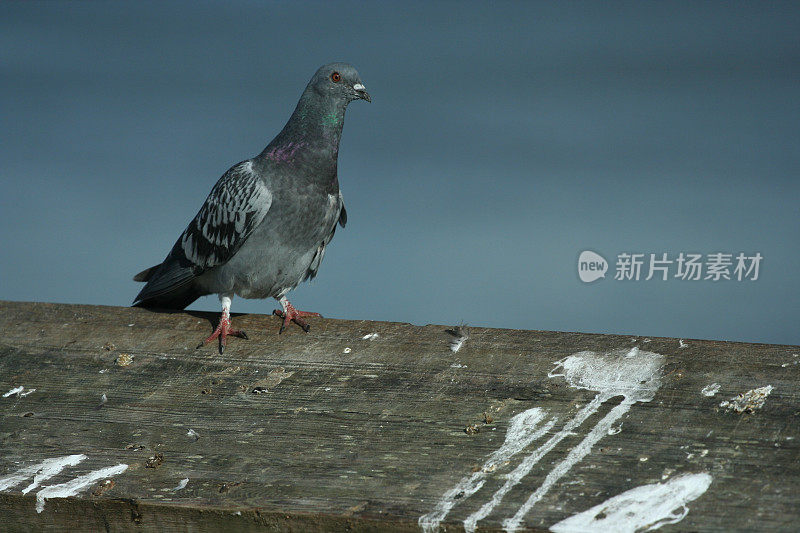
[294, 432]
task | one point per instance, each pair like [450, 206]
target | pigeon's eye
[336, 77]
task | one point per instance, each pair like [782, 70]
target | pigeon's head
[339, 82]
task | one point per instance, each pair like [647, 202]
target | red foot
[222, 331]
[293, 315]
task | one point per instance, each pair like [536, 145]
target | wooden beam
[369, 426]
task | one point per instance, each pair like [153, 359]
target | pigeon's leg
[290, 314]
[224, 328]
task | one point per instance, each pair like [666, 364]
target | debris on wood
[103, 401]
[103, 486]
[357, 508]
[272, 380]
[225, 487]
[155, 461]
[460, 335]
[472, 429]
[749, 401]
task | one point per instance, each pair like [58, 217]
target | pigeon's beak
[361, 92]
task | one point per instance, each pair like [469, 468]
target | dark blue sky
[503, 140]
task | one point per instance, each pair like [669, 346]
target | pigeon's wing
[316, 261]
[235, 207]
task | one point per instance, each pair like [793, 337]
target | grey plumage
[264, 227]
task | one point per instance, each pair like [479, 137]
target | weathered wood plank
[369, 434]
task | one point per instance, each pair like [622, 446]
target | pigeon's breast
[276, 256]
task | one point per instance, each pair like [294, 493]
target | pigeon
[264, 227]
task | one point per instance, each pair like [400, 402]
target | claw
[290, 314]
[223, 330]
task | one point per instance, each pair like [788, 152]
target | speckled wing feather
[236, 205]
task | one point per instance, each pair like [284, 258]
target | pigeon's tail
[176, 299]
[145, 274]
[170, 285]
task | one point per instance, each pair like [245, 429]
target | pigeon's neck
[311, 136]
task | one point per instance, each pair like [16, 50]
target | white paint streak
[575, 455]
[635, 375]
[522, 431]
[528, 463]
[181, 485]
[40, 472]
[18, 391]
[53, 467]
[632, 373]
[74, 486]
[642, 508]
[13, 391]
[370, 336]
[710, 390]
